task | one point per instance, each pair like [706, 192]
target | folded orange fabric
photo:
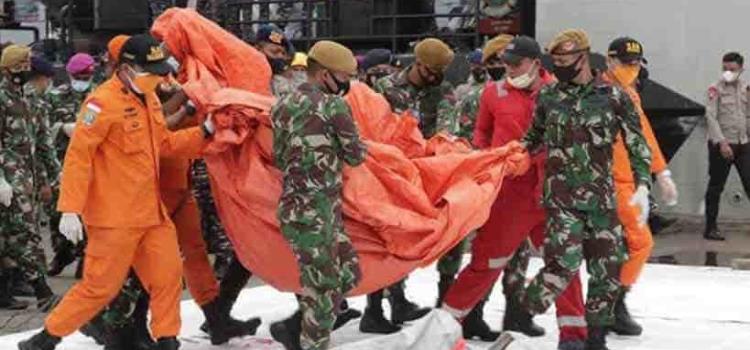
[409, 203]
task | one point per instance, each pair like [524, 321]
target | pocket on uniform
[133, 136]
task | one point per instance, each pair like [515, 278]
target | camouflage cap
[333, 56]
[570, 40]
[434, 53]
[16, 58]
[495, 45]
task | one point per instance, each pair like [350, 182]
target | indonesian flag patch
[92, 110]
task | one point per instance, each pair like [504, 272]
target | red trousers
[516, 216]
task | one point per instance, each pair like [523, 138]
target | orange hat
[115, 46]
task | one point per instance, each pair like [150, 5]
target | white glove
[667, 187]
[640, 200]
[6, 193]
[208, 125]
[71, 227]
[68, 128]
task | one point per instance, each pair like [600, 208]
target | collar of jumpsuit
[122, 137]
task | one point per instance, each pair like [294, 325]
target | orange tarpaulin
[409, 203]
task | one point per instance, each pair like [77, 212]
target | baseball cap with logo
[145, 51]
[270, 33]
[627, 50]
[521, 47]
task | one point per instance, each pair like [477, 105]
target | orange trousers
[199, 276]
[638, 237]
[152, 252]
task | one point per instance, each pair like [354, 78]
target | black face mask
[438, 79]
[480, 75]
[20, 78]
[496, 73]
[567, 73]
[342, 87]
[643, 76]
[278, 65]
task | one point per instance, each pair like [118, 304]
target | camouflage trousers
[20, 242]
[450, 263]
[514, 275]
[329, 267]
[213, 231]
[119, 313]
[574, 235]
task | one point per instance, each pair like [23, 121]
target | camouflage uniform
[314, 136]
[461, 121]
[426, 104]
[27, 160]
[514, 275]
[578, 125]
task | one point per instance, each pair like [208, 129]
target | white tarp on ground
[681, 308]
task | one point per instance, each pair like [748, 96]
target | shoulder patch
[92, 110]
[713, 92]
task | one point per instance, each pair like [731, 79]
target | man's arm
[448, 112]
[484, 124]
[535, 136]
[352, 150]
[92, 128]
[635, 143]
[712, 106]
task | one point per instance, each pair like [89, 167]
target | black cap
[521, 47]
[376, 57]
[627, 50]
[145, 51]
[40, 66]
[270, 33]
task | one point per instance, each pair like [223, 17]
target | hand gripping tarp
[409, 203]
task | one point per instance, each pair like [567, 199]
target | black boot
[98, 330]
[221, 327]
[141, 337]
[19, 286]
[597, 339]
[403, 310]
[123, 338]
[79, 268]
[571, 345]
[373, 320]
[345, 315]
[713, 234]
[45, 299]
[235, 278]
[624, 323]
[7, 301]
[446, 281]
[519, 320]
[170, 343]
[287, 332]
[474, 326]
[64, 256]
[40, 341]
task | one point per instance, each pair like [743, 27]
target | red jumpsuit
[505, 114]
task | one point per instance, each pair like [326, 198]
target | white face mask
[80, 85]
[525, 80]
[730, 76]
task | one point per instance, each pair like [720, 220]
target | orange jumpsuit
[183, 210]
[638, 237]
[111, 178]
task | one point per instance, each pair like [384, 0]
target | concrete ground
[680, 244]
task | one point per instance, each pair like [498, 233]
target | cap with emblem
[521, 47]
[434, 53]
[81, 64]
[495, 45]
[333, 56]
[16, 58]
[145, 51]
[569, 41]
[627, 50]
[270, 33]
[114, 47]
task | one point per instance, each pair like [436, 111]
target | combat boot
[373, 320]
[345, 315]
[45, 299]
[597, 339]
[79, 268]
[170, 343]
[7, 301]
[473, 326]
[141, 336]
[517, 319]
[40, 341]
[221, 327]
[446, 281]
[19, 286]
[403, 310]
[624, 323]
[64, 256]
[287, 332]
